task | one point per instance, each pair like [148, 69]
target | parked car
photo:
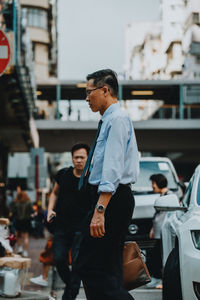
[181, 243]
[145, 197]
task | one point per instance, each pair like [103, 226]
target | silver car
[145, 197]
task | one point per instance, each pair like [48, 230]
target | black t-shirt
[71, 205]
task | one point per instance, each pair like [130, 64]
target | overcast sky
[92, 33]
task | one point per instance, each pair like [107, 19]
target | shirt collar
[110, 110]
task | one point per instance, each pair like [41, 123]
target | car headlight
[196, 238]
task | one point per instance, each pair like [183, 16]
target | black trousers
[62, 243]
[154, 260]
[100, 259]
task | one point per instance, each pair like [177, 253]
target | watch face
[101, 208]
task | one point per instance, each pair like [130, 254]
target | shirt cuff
[107, 187]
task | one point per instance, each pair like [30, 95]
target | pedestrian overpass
[157, 136]
[177, 132]
[180, 93]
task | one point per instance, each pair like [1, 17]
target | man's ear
[105, 89]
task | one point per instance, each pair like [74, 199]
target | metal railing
[73, 111]
[167, 111]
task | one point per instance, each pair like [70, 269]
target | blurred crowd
[26, 218]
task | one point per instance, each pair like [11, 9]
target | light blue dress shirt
[115, 158]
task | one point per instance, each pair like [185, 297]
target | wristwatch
[100, 208]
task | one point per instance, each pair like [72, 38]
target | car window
[198, 193]
[186, 198]
[147, 168]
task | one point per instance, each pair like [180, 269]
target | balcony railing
[190, 111]
[74, 111]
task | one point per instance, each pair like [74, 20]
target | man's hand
[49, 214]
[97, 225]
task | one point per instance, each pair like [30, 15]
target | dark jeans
[154, 260]
[62, 243]
[100, 259]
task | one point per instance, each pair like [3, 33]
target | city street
[99, 112]
[36, 246]
[139, 294]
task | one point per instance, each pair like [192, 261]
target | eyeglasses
[88, 92]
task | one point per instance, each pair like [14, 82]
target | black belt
[126, 184]
[95, 187]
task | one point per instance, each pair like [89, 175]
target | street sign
[4, 52]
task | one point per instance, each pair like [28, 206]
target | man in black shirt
[69, 209]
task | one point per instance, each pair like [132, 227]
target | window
[36, 17]
[147, 168]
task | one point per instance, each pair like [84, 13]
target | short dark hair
[160, 180]
[105, 77]
[80, 146]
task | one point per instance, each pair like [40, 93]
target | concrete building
[31, 27]
[191, 40]
[135, 35]
[172, 33]
[154, 59]
[173, 50]
[18, 131]
[157, 53]
[40, 19]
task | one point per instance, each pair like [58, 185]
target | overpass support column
[58, 98]
[181, 101]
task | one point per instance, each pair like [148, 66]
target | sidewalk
[28, 296]
[43, 295]
[35, 292]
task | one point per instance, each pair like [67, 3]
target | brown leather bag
[135, 272]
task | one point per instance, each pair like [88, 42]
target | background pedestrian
[69, 210]
[154, 260]
[21, 213]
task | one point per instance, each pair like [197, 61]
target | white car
[181, 243]
[145, 197]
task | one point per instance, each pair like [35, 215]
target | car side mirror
[168, 203]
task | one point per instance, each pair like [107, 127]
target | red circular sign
[4, 52]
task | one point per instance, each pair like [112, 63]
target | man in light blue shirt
[114, 166]
[115, 158]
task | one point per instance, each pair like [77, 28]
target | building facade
[191, 40]
[173, 51]
[40, 19]
[31, 28]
